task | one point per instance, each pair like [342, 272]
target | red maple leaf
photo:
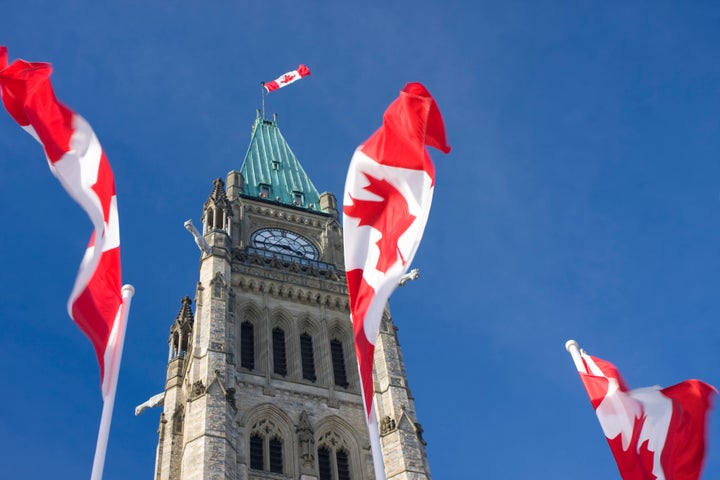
[390, 216]
[288, 77]
[635, 463]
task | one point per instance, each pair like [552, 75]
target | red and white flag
[388, 193]
[287, 78]
[77, 160]
[653, 433]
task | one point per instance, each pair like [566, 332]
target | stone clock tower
[262, 381]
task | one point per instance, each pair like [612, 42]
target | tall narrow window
[307, 358]
[210, 218]
[279, 358]
[333, 463]
[266, 447]
[338, 362]
[247, 346]
[343, 466]
[324, 464]
[276, 463]
[256, 452]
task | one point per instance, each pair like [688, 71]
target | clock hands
[288, 249]
[281, 246]
[284, 242]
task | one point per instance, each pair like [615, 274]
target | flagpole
[374, 433]
[375, 447]
[262, 94]
[109, 399]
[572, 347]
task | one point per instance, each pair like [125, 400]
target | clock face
[283, 241]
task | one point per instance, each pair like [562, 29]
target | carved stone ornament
[306, 440]
[419, 430]
[387, 425]
[198, 388]
[230, 397]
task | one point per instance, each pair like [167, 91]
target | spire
[184, 319]
[218, 196]
[181, 331]
[217, 209]
[272, 171]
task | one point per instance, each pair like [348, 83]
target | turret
[173, 417]
[181, 332]
[217, 213]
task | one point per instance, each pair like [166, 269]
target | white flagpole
[375, 447]
[109, 399]
[374, 433]
[572, 347]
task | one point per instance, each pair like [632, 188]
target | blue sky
[580, 200]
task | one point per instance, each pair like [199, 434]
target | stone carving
[387, 425]
[306, 440]
[198, 388]
[419, 430]
[230, 397]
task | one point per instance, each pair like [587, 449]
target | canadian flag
[77, 160]
[287, 78]
[653, 433]
[388, 193]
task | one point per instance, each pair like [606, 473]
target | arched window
[343, 465]
[338, 363]
[276, 463]
[175, 340]
[210, 219]
[324, 467]
[257, 455]
[333, 464]
[307, 358]
[279, 356]
[247, 345]
[266, 448]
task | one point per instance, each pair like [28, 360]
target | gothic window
[325, 470]
[266, 448]
[338, 363]
[247, 346]
[307, 358]
[184, 341]
[333, 458]
[256, 452]
[343, 465]
[174, 346]
[219, 218]
[210, 218]
[276, 463]
[279, 357]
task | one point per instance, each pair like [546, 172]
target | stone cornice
[288, 213]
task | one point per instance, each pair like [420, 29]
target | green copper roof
[271, 170]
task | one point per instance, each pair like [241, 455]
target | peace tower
[262, 381]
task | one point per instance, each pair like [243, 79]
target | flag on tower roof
[287, 78]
